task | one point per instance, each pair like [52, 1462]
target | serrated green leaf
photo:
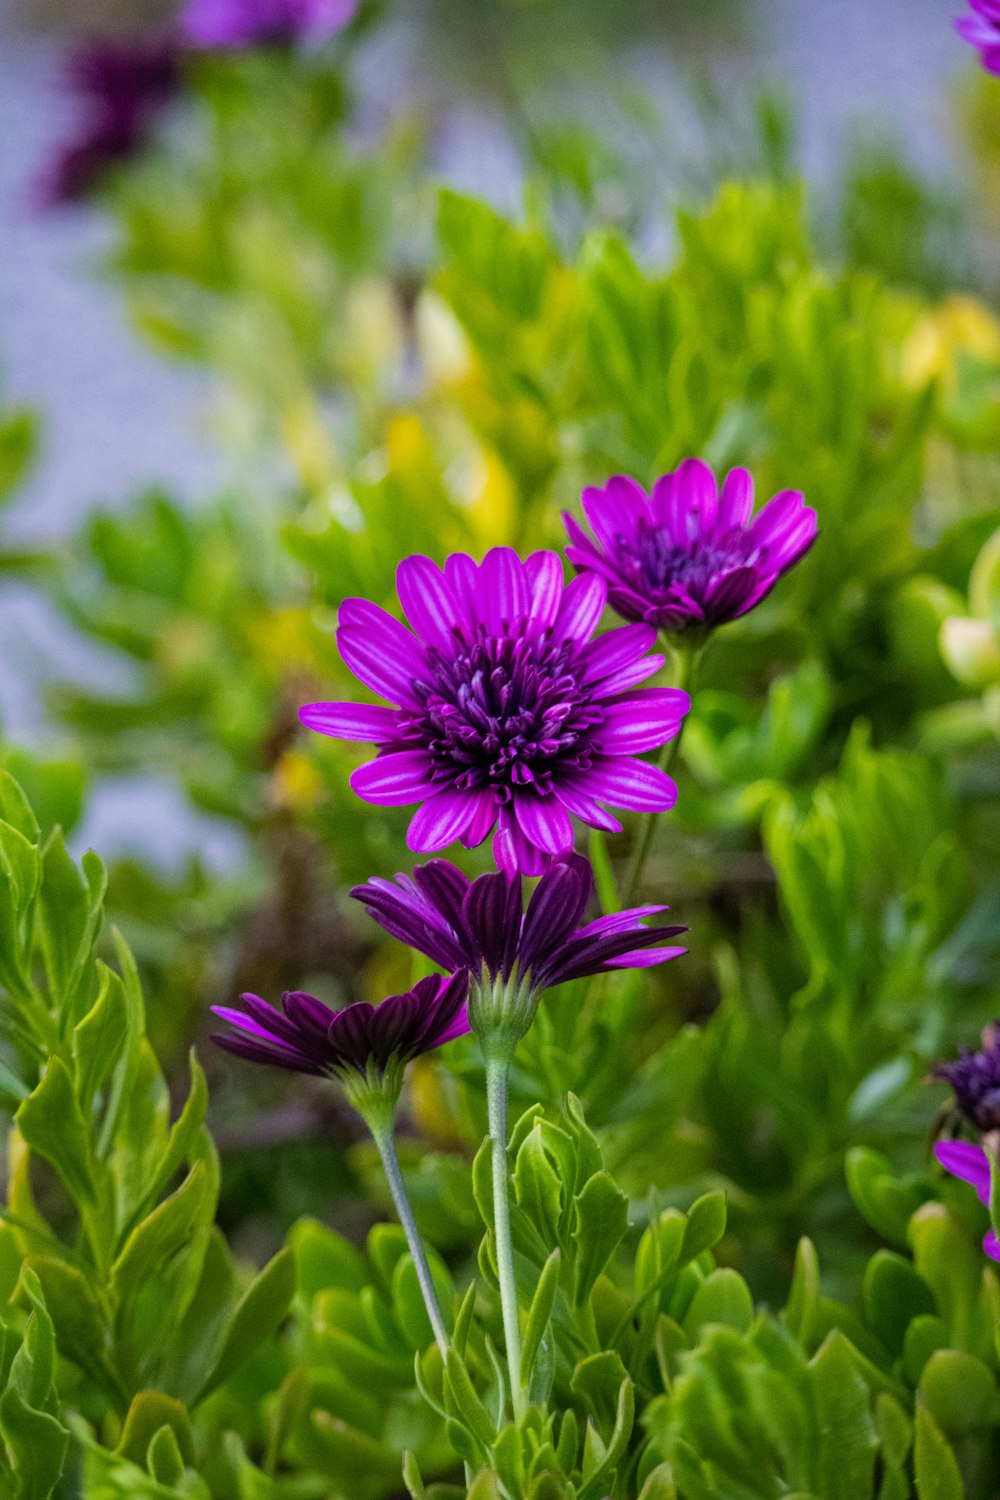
[539, 1314]
[600, 1223]
[51, 1123]
[258, 1314]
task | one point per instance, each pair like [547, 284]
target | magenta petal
[642, 721]
[614, 512]
[967, 1162]
[544, 573]
[577, 800]
[427, 601]
[441, 821]
[736, 501]
[697, 488]
[350, 721]
[644, 958]
[544, 820]
[616, 649]
[505, 589]
[631, 783]
[387, 666]
[395, 779]
[582, 606]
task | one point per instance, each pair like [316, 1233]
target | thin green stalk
[387, 1151]
[688, 659]
[496, 1102]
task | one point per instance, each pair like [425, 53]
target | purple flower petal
[505, 590]
[428, 602]
[350, 721]
[631, 783]
[544, 821]
[395, 779]
[967, 1162]
[643, 721]
[581, 608]
[439, 822]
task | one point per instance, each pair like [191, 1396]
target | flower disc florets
[975, 1080]
[685, 558]
[507, 715]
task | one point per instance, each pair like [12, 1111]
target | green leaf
[149, 1413]
[51, 1123]
[325, 1259]
[100, 1038]
[412, 1477]
[706, 1224]
[960, 1393]
[723, 1297]
[538, 1186]
[165, 1231]
[463, 1403]
[894, 1294]
[600, 1222]
[935, 1469]
[596, 1481]
[37, 1443]
[163, 1460]
[70, 912]
[258, 1314]
[539, 1314]
[659, 1484]
[79, 1316]
[845, 1462]
[803, 1297]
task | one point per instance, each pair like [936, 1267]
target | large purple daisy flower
[506, 713]
[232, 24]
[975, 1079]
[685, 558]
[982, 29]
[481, 925]
[306, 1036]
[971, 1164]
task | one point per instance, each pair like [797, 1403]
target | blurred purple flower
[481, 925]
[306, 1036]
[684, 558]
[975, 1080]
[233, 24]
[971, 1164]
[982, 30]
[123, 86]
[508, 714]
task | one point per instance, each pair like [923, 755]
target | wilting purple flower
[685, 558]
[481, 925]
[508, 714]
[971, 1164]
[975, 1080]
[123, 86]
[306, 1036]
[233, 24]
[982, 30]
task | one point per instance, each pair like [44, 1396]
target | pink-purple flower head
[306, 1036]
[505, 713]
[971, 1164]
[230, 25]
[686, 558]
[122, 86]
[482, 926]
[975, 1080]
[981, 28]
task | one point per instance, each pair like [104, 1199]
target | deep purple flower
[971, 1164]
[306, 1036]
[982, 30]
[123, 86]
[233, 24]
[508, 714]
[481, 925]
[975, 1079]
[685, 558]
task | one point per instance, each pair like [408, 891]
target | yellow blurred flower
[960, 325]
[432, 1091]
[296, 782]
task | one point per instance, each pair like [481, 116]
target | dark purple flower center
[659, 565]
[504, 711]
[975, 1079]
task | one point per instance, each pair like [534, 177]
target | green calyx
[375, 1092]
[501, 1010]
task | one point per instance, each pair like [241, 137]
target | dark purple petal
[491, 922]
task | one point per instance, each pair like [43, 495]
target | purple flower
[971, 1164]
[982, 30]
[123, 87]
[975, 1079]
[232, 24]
[506, 713]
[481, 925]
[306, 1036]
[685, 558]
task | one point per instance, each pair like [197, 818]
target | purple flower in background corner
[975, 1080]
[123, 85]
[982, 30]
[685, 558]
[306, 1036]
[234, 24]
[971, 1164]
[481, 925]
[506, 713]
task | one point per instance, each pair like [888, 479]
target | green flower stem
[688, 660]
[497, 1069]
[386, 1144]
